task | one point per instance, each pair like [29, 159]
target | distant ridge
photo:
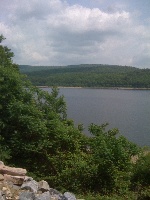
[88, 75]
[30, 68]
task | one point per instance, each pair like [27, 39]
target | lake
[127, 110]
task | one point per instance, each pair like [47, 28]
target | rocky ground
[15, 185]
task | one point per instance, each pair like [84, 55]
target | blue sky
[63, 32]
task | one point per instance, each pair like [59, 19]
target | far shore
[111, 88]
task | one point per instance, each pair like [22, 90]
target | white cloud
[4, 28]
[56, 33]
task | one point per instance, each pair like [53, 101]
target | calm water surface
[127, 110]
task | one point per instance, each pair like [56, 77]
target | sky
[67, 32]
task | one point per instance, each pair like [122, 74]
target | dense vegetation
[88, 76]
[36, 134]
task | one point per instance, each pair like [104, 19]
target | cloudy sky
[63, 32]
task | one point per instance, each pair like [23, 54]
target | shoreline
[110, 88]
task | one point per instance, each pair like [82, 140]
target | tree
[5, 60]
[6, 55]
[111, 155]
[34, 127]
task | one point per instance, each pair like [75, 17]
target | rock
[1, 163]
[16, 198]
[27, 196]
[7, 192]
[1, 177]
[57, 194]
[27, 178]
[12, 171]
[43, 186]
[17, 180]
[54, 198]
[43, 196]
[69, 196]
[2, 197]
[14, 185]
[30, 185]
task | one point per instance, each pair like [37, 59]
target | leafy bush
[111, 156]
[141, 176]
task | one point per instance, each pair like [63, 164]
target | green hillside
[88, 76]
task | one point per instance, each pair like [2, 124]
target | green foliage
[88, 76]
[4, 151]
[111, 155]
[141, 175]
[93, 196]
[6, 55]
[144, 194]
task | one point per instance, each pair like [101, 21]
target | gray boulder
[2, 196]
[43, 196]
[43, 186]
[57, 194]
[69, 196]
[30, 185]
[27, 196]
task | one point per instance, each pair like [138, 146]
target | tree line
[88, 76]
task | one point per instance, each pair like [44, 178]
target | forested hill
[87, 75]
